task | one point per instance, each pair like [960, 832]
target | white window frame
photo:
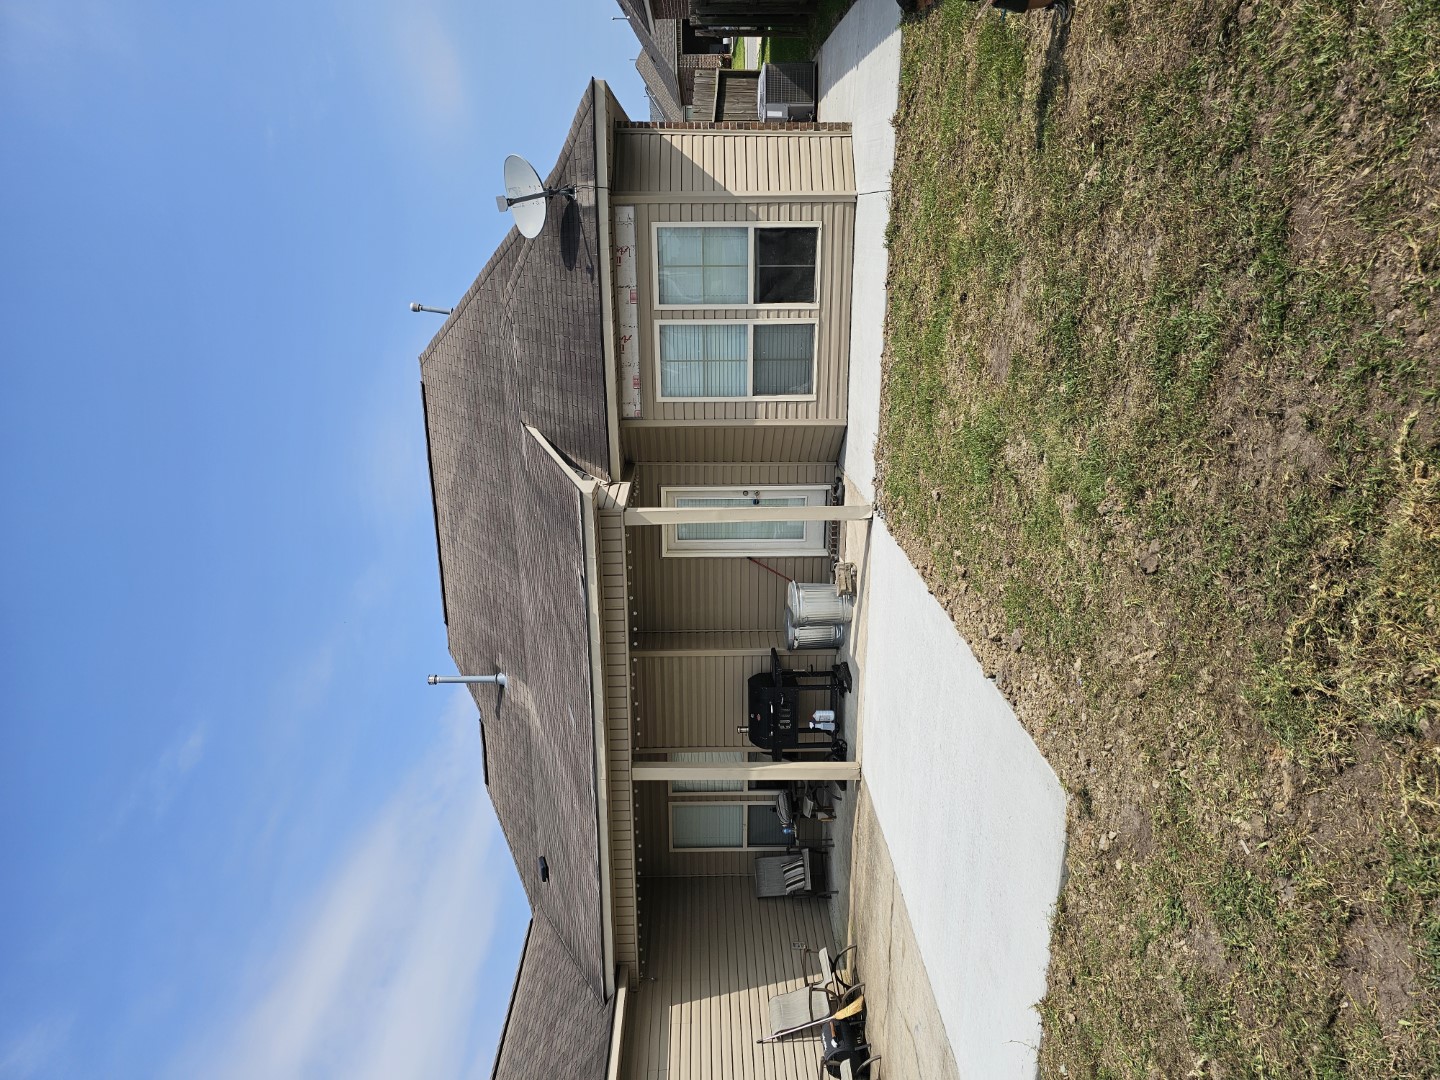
[749, 394]
[813, 543]
[656, 226]
[744, 825]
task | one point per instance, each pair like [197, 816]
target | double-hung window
[770, 359]
[741, 539]
[736, 265]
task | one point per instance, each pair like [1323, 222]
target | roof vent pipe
[544, 868]
[432, 310]
[498, 679]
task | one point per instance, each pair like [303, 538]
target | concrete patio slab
[859, 83]
[972, 815]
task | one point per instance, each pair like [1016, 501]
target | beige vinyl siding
[744, 440]
[715, 162]
[720, 593]
[708, 642]
[719, 956]
[615, 632]
[831, 314]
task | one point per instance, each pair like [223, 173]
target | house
[633, 425]
[671, 53]
[684, 57]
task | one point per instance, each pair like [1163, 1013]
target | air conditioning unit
[787, 91]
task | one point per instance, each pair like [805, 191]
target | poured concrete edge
[970, 815]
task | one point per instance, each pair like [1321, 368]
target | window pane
[703, 266]
[727, 247]
[725, 341]
[702, 825]
[726, 284]
[765, 830]
[728, 757]
[741, 530]
[682, 284]
[682, 379]
[725, 379]
[683, 341]
[784, 359]
[681, 247]
[785, 266]
[703, 360]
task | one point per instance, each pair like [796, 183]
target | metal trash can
[813, 604]
[822, 636]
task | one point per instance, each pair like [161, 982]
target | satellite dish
[525, 196]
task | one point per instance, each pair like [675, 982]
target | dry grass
[1161, 395]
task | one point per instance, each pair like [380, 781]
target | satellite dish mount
[525, 196]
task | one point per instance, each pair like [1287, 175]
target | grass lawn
[776, 50]
[1160, 430]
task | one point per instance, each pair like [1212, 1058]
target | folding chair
[838, 973]
[809, 1007]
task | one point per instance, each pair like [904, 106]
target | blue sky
[241, 836]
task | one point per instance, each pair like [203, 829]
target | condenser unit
[787, 91]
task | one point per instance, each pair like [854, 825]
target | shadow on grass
[1051, 77]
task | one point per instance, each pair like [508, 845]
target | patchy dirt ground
[1159, 428]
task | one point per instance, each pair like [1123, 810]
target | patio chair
[838, 974]
[809, 1007]
[796, 873]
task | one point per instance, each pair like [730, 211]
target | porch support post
[708, 515]
[752, 770]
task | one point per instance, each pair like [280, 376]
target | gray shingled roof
[556, 1029]
[664, 105]
[525, 346]
[635, 10]
[659, 59]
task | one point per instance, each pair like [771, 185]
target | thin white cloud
[431, 56]
[48, 51]
[418, 66]
[34, 1050]
[159, 784]
[174, 766]
[307, 685]
[382, 976]
[75, 29]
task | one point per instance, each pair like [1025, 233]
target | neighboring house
[679, 59]
[621, 414]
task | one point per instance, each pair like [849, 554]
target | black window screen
[785, 266]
